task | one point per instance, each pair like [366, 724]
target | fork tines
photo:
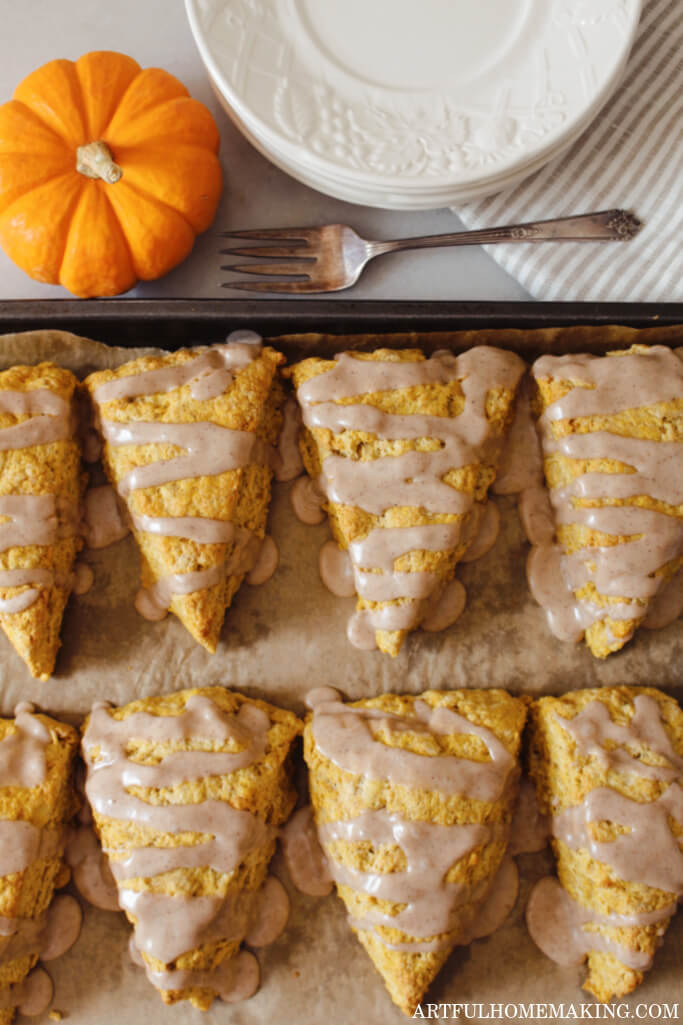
[295, 251]
[263, 234]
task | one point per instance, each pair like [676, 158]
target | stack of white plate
[413, 104]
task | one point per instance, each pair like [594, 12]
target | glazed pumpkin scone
[40, 491]
[413, 798]
[612, 437]
[37, 798]
[608, 767]
[405, 449]
[188, 438]
[187, 793]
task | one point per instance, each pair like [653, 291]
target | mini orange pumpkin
[107, 173]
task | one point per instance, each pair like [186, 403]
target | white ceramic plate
[395, 199]
[413, 100]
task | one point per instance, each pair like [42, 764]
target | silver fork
[331, 257]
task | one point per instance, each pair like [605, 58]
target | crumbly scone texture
[264, 789]
[350, 523]
[564, 777]
[662, 422]
[48, 806]
[337, 795]
[49, 469]
[252, 403]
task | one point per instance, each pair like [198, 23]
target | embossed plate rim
[496, 169]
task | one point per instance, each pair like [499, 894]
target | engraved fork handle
[607, 225]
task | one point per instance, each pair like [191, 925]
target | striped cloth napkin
[631, 157]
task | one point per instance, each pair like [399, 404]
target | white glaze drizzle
[305, 859]
[307, 501]
[90, 869]
[434, 908]
[167, 927]
[557, 925]
[23, 763]
[104, 518]
[414, 478]
[206, 449]
[346, 736]
[32, 996]
[629, 855]
[23, 752]
[654, 468]
[647, 852]
[266, 562]
[31, 519]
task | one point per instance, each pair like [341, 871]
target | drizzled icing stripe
[654, 466]
[207, 450]
[233, 980]
[413, 478]
[648, 853]
[23, 843]
[20, 578]
[430, 910]
[593, 725]
[408, 479]
[169, 926]
[629, 855]
[195, 528]
[347, 736]
[31, 519]
[608, 386]
[557, 924]
[203, 374]
[23, 763]
[22, 752]
[612, 384]
[49, 418]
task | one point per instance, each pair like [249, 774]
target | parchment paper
[279, 641]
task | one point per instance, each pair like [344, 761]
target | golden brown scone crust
[339, 795]
[50, 469]
[264, 789]
[350, 523]
[252, 403]
[564, 777]
[47, 806]
[661, 422]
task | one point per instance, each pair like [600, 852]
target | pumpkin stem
[95, 160]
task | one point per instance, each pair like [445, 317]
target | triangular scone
[40, 491]
[608, 768]
[37, 799]
[404, 449]
[612, 437]
[187, 793]
[413, 799]
[187, 438]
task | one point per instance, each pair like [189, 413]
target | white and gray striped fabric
[631, 157]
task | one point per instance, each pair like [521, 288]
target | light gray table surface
[156, 33]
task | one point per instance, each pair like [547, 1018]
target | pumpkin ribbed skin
[94, 237]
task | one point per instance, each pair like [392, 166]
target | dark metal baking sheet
[300, 973]
[177, 322]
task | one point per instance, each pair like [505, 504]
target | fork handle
[607, 225]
